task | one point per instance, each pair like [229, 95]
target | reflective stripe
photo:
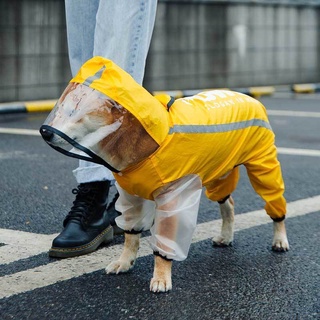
[215, 128]
[96, 76]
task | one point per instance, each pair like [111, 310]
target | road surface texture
[245, 281]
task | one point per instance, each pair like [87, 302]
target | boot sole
[106, 236]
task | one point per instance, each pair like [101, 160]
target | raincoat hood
[93, 112]
[105, 76]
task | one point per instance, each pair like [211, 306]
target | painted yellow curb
[304, 88]
[174, 93]
[40, 106]
[257, 92]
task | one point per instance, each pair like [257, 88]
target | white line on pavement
[66, 269]
[299, 152]
[19, 155]
[289, 113]
[22, 245]
[28, 132]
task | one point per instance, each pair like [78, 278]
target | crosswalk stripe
[62, 270]
[22, 245]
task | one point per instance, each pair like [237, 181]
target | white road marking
[20, 155]
[299, 152]
[22, 245]
[27, 132]
[289, 113]
[66, 269]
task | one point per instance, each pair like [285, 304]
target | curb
[256, 92]
[28, 106]
[306, 88]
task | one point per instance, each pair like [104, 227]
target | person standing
[121, 31]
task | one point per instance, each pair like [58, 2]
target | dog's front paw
[160, 284]
[119, 266]
[221, 241]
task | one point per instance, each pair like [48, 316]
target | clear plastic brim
[84, 116]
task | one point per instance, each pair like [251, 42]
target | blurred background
[196, 44]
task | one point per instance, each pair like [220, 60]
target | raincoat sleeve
[176, 218]
[137, 214]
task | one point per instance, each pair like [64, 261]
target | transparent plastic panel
[137, 213]
[85, 115]
[176, 218]
[87, 122]
[172, 217]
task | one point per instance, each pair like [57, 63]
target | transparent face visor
[83, 123]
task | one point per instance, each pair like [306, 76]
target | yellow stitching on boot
[87, 245]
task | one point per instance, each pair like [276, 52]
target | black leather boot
[88, 224]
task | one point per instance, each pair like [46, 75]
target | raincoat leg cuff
[133, 231]
[157, 253]
[278, 219]
[224, 199]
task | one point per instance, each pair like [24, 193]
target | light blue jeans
[119, 30]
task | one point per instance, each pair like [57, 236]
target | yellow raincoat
[209, 134]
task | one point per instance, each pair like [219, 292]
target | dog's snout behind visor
[81, 119]
[46, 134]
[100, 108]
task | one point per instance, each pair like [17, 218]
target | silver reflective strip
[96, 76]
[215, 128]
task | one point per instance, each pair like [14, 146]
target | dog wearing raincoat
[163, 152]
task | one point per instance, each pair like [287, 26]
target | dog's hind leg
[128, 256]
[217, 191]
[266, 178]
[227, 213]
[280, 241]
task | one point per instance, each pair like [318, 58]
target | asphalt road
[245, 281]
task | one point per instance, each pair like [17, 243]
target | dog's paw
[119, 266]
[280, 241]
[222, 241]
[280, 245]
[160, 285]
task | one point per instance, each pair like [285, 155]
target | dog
[165, 152]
